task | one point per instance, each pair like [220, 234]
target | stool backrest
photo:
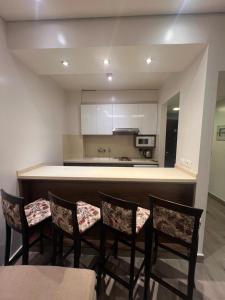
[118, 214]
[64, 214]
[13, 211]
[174, 220]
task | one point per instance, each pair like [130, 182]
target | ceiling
[13, 10]
[128, 65]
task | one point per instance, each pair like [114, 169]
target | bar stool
[171, 225]
[125, 220]
[72, 220]
[25, 219]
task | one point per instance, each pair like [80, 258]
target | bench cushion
[46, 282]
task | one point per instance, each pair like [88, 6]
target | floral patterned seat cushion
[37, 211]
[142, 216]
[12, 214]
[62, 217]
[120, 218]
[87, 216]
[175, 224]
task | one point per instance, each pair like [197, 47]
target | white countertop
[98, 173]
[111, 160]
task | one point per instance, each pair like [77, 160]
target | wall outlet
[186, 162]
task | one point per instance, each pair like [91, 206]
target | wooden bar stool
[25, 219]
[72, 220]
[172, 225]
[125, 220]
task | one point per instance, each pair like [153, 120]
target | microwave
[145, 141]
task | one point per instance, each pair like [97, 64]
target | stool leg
[101, 259]
[41, 248]
[25, 257]
[191, 274]
[61, 236]
[77, 251]
[156, 247]
[132, 265]
[54, 244]
[148, 259]
[7, 245]
[116, 247]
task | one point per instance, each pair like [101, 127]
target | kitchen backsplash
[78, 146]
[110, 146]
[73, 146]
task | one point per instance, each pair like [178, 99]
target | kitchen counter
[108, 174]
[105, 161]
[75, 183]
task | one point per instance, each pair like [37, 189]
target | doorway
[171, 131]
[214, 240]
[217, 168]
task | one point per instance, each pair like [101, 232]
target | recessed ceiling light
[109, 76]
[106, 61]
[65, 63]
[148, 60]
[176, 108]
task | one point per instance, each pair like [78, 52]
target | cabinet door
[104, 119]
[88, 119]
[125, 116]
[148, 118]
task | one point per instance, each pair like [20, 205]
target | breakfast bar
[83, 183]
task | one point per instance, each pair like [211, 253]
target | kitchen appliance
[147, 153]
[121, 131]
[145, 141]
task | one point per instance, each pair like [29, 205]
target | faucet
[101, 150]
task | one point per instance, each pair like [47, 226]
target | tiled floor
[210, 276]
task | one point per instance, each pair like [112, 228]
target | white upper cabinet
[148, 118]
[125, 116]
[96, 119]
[88, 119]
[104, 119]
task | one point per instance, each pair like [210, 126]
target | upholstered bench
[45, 282]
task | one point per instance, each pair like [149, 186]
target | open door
[171, 131]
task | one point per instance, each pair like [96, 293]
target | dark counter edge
[130, 164]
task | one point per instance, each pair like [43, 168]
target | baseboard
[200, 258]
[2, 251]
[218, 199]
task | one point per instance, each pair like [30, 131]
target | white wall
[109, 32]
[123, 97]
[217, 172]
[72, 111]
[191, 86]
[31, 121]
